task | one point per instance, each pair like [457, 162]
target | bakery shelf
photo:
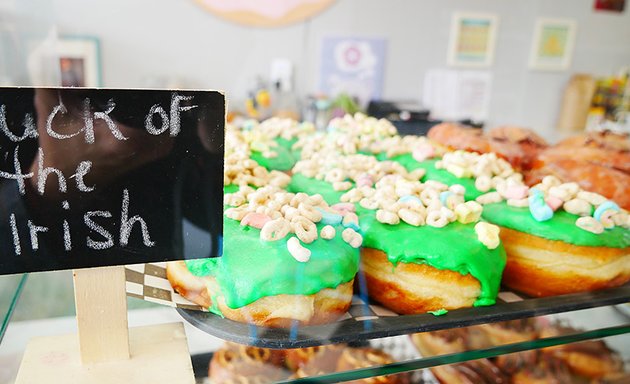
[365, 324]
[13, 284]
[427, 362]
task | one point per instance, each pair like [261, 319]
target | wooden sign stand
[105, 349]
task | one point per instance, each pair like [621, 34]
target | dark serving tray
[366, 321]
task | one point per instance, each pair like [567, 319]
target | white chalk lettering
[105, 117]
[67, 240]
[98, 229]
[30, 131]
[82, 169]
[126, 224]
[34, 230]
[16, 235]
[43, 172]
[18, 176]
[49, 123]
[148, 121]
[176, 109]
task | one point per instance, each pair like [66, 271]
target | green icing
[285, 143]
[283, 162]
[301, 183]
[454, 247]
[561, 227]
[251, 268]
[232, 188]
[439, 312]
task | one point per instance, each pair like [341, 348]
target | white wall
[147, 39]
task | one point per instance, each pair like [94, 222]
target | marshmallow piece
[328, 232]
[256, 220]
[516, 192]
[457, 189]
[468, 212]
[590, 224]
[298, 251]
[539, 209]
[330, 218]
[343, 207]
[488, 234]
[554, 203]
[351, 220]
[520, 203]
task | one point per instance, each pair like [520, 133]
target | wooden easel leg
[101, 304]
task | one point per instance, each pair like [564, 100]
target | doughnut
[456, 136]
[592, 359]
[520, 146]
[455, 341]
[571, 249]
[355, 358]
[422, 242]
[277, 311]
[235, 363]
[314, 361]
[597, 161]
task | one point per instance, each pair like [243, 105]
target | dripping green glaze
[454, 247]
[561, 227]
[251, 268]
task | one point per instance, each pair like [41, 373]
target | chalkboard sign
[107, 177]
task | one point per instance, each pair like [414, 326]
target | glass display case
[595, 320]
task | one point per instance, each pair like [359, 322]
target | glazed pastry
[243, 364]
[546, 370]
[277, 265]
[597, 161]
[592, 359]
[505, 332]
[283, 272]
[424, 248]
[587, 235]
[454, 341]
[456, 136]
[314, 361]
[355, 358]
[520, 146]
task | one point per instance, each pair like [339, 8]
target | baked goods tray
[366, 321]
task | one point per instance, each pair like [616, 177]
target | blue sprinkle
[351, 224]
[444, 196]
[540, 212]
[603, 208]
[330, 218]
[409, 198]
[535, 192]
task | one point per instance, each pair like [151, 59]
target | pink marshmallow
[256, 220]
[343, 208]
[554, 202]
[423, 152]
[516, 192]
[364, 180]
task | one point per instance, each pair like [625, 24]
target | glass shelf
[428, 362]
[599, 324]
[11, 287]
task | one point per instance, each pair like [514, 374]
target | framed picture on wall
[473, 39]
[79, 61]
[552, 47]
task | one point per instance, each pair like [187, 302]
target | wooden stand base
[159, 354]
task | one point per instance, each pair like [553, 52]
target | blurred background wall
[152, 42]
